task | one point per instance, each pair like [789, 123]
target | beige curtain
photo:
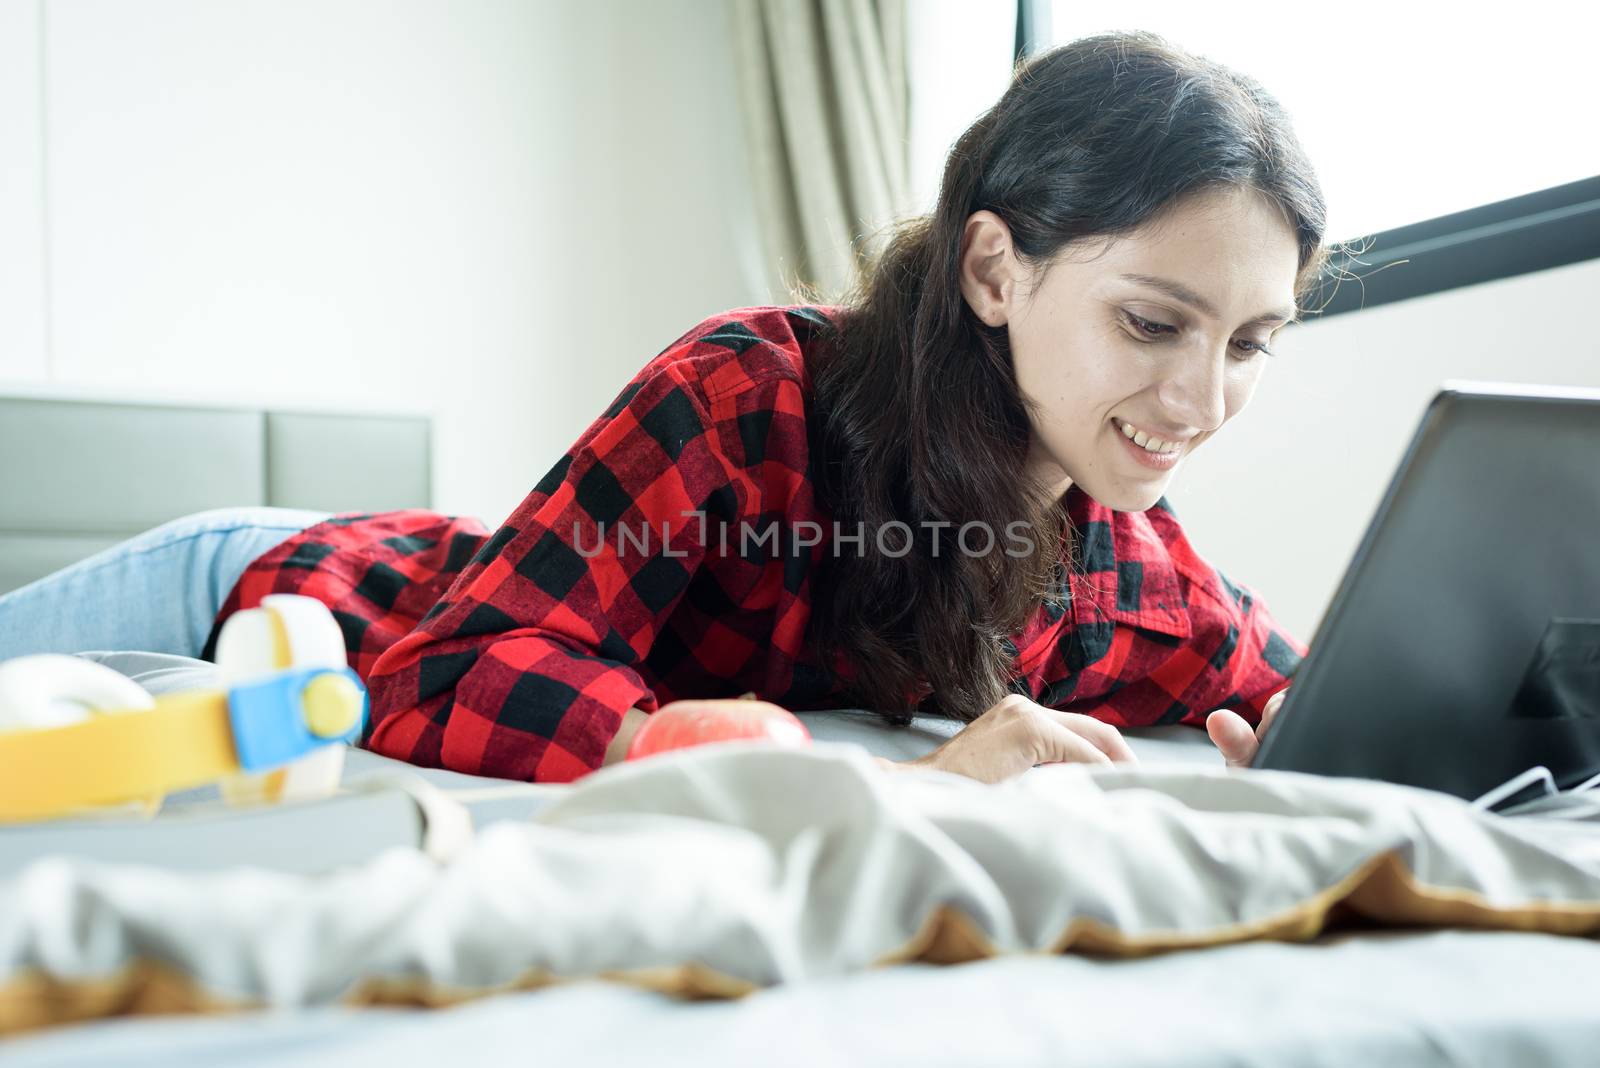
[823, 86]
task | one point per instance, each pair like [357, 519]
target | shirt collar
[1124, 569]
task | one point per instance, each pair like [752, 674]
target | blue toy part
[270, 719]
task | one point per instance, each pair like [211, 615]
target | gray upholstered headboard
[77, 476]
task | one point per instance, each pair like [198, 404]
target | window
[1408, 112]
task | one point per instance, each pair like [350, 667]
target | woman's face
[1156, 334]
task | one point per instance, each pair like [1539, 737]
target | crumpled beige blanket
[717, 871]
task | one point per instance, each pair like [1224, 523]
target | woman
[943, 494]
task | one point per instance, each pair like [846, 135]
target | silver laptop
[1463, 644]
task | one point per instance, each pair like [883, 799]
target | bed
[1358, 979]
[1401, 998]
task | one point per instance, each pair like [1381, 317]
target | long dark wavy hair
[917, 414]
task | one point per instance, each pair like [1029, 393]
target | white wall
[497, 210]
[22, 298]
[494, 210]
[1281, 497]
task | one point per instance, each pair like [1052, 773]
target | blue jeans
[158, 591]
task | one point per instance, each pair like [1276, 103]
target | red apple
[679, 724]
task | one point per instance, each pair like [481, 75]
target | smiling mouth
[1146, 441]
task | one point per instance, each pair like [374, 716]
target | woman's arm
[529, 666]
[1228, 652]
[1256, 663]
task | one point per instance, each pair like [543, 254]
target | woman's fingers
[1270, 711]
[1103, 736]
[1232, 734]
[1061, 745]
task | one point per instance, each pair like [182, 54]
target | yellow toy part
[49, 690]
[75, 735]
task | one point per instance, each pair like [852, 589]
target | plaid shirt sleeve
[1254, 659]
[526, 665]
[1156, 634]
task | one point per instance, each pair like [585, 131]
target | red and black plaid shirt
[516, 654]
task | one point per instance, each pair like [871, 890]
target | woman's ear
[987, 263]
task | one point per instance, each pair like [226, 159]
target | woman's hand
[1232, 734]
[1016, 734]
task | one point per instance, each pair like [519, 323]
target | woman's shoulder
[731, 392]
[736, 350]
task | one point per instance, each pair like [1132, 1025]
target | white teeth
[1145, 441]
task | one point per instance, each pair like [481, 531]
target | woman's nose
[1194, 392]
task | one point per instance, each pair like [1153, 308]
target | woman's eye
[1151, 329]
[1145, 326]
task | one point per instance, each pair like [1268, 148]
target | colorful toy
[679, 724]
[75, 735]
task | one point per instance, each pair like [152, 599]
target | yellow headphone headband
[187, 740]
